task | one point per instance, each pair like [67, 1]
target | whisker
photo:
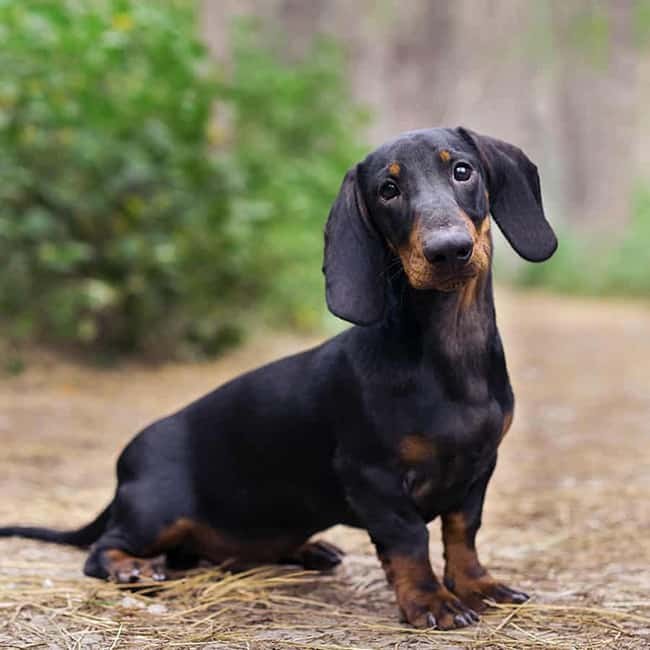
[395, 262]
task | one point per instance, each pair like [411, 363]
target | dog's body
[386, 426]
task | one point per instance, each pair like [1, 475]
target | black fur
[322, 437]
[516, 197]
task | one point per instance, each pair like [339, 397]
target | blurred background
[166, 168]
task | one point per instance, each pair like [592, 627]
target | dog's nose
[452, 249]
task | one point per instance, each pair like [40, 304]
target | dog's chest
[440, 461]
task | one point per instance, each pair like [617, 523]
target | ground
[567, 516]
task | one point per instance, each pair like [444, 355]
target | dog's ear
[355, 258]
[515, 196]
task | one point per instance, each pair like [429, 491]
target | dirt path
[568, 511]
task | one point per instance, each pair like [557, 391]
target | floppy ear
[515, 196]
[355, 258]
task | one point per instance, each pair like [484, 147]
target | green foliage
[132, 219]
[584, 266]
[641, 22]
[295, 136]
[589, 32]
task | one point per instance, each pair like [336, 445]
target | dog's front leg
[401, 538]
[464, 573]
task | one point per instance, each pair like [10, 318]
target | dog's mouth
[455, 284]
[427, 277]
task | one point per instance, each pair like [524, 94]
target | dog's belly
[274, 506]
[261, 494]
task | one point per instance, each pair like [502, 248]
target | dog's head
[425, 199]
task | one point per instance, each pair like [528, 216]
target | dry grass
[273, 608]
[567, 518]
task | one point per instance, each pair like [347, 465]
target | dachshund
[390, 424]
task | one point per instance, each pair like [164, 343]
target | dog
[388, 425]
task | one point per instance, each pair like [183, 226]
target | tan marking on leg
[414, 583]
[464, 574]
[420, 595]
[461, 557]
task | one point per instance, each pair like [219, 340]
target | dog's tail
[83, 536]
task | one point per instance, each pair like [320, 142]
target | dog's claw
[318, 556]
[462, 620]
[129, 576]
[519, 597]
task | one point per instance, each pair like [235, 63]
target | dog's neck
[433, 323]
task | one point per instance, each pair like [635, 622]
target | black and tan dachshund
[385, 427]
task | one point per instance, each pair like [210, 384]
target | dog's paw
[318, 556]
[475, 592]
[125, 569]
[440, 610]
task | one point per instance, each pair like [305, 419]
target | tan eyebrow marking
[445, 156]
[394, 168]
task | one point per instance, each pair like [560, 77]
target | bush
[133, 220]
[583, 265]
[296, 133]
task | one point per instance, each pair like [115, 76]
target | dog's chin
[445, 285]
[454, 284]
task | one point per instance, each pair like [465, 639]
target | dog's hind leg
[138, 536]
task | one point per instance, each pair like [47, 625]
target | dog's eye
[388, 190]
[462, 172]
